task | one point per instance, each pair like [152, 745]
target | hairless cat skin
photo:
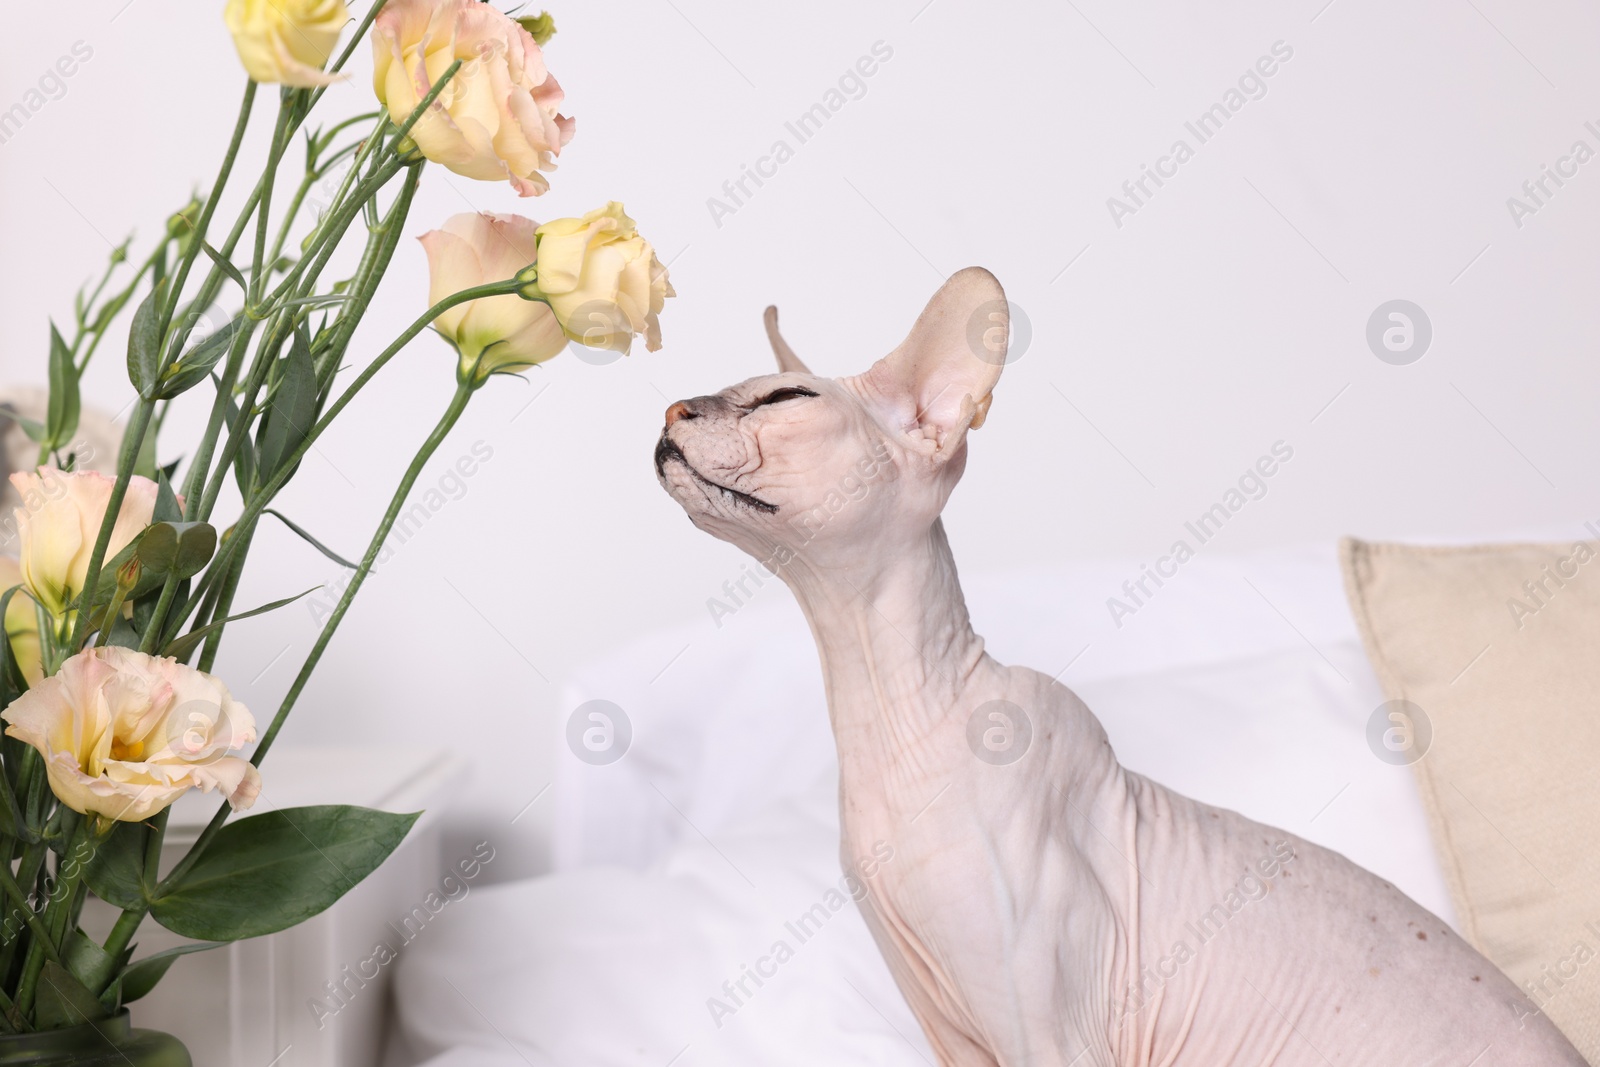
[1052, 907]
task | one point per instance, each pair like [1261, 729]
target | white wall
[1222, 316]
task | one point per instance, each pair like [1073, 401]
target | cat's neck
[899, 655]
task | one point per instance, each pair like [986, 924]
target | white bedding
[678, 867]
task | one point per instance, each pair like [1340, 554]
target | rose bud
[602, 279]
[493, 334]
[286, 42]
[59, 521]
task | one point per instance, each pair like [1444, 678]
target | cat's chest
[991, 921]
[969, 840]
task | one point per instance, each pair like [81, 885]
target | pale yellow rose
[496, 119]
[58, 522]
[507, 332]
[21, 622]
[287, 42]
[124, 734]
[602, 279]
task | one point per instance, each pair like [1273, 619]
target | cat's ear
[788, 362]
[938, 383]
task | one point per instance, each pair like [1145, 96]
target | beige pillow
[1499, 646]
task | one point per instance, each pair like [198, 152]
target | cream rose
[495, 334]
[602, 279]
[286, 42]
[21, 622]
[497, 117]
[58, 522]
[124, 734]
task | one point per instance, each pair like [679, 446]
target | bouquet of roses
[124, 586]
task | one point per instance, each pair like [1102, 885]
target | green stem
[447, 421]
[200, 466]
[89, 302]
[152, 633]
[274, 156]
[458, 404]
[140, 422]
[131, 441]
[316, 167]
[295, 203]
[238, 431]
[113, 610]
[24, 906]
[332, 230]
[60, 902]
[203, 225]
[369, 274]
[33, 857]
[259, 500]
[119, 302]
[121, 935]
[322, 244]
[13, 1022]
[230, 586]
[152, 847]
[214, 278]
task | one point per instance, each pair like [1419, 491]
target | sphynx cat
[1046, 906]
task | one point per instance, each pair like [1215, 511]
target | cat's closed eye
[778, 396]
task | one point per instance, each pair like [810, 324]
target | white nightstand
[255, 1003]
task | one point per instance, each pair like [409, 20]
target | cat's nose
[681, 410]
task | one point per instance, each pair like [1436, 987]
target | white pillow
[729, 715]
[605, 966]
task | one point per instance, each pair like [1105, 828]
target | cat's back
[1373, 977]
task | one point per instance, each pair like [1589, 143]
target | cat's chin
[678, 476]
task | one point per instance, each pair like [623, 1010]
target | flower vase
[109, 1042]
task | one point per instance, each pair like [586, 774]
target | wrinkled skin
[1050, 908]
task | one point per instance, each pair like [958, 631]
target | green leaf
[197, 542]
[162, 548]
[194, 366]
[144, 464]
[181, 647]
[291, 411]
[141, 977]
[12, 685]
[10, 672]
[87, 961]
[107, 585]
[123, 635]
[227, 268]
[157, 548]
[110, 310]
[61, 419]
[116, 872]
[271, 871]
[244, 467]
[166, 509]
[144, 343]
[34, 430]
[308, 539]
[244, 459]
[323, 300]
[63, 1000]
